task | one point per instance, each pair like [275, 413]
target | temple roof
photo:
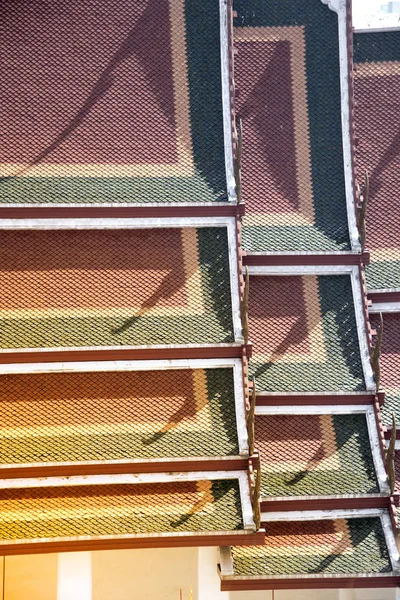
[35, 518]
[315, 455]
[312, 549]
[377, 89]
[52, 418]
[304, 333]
[288, 96]
[390, 366]
[135, 103]
[115, 288]
[117, 102]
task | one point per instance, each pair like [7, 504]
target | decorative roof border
[332, 4]
[226, 99]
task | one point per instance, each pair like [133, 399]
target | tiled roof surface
[53, 417]
[390, 365]
[119, 509]
[397, 475]
[304, 334]
[111, 101]
[287, 74]
[329, 547]
[311, 455]
[377, 90]
[110, 288]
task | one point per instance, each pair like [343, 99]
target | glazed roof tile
[44, 514]
[390, 365]
[117, 102]
[312, 455]
[397, 475]
[339, 546]
[111, 288]
[304, 334]
[377, 89]
[287, 74]
[74, 417]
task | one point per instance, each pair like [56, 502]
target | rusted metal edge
[325, 503]
[119, 542]
[302, 582]
[85, 212]
[108, 467]
[306, 259]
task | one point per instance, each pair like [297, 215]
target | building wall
[157, 574]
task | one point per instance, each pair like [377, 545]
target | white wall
[74, 576]
[144, 574]
[140, 575]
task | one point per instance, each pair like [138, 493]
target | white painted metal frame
[141, 478]
[226, 100]
[384, 307]
[356, 287]
[365, 409]
[383, 290]
[144, 223]
[311, 394]
[226, 560]
[151, 365]
[314, 409]
[340, 7]
[382, 29]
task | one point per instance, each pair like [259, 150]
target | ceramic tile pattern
[327, 547]
[286, 72]
[390, 365]
[377, 89]
[119, 509]
[397, 475]
[73, 76]
[304, 334]
[315, 455]
[56, 417]
[111, 288]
